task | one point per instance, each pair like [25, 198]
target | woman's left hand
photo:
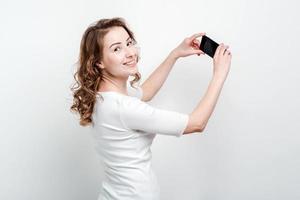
[189, 46]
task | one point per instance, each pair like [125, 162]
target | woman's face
[119, 53]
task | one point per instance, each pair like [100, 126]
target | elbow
[146, 99]
[195, 125]
[201, 128]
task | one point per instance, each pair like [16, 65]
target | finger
[196, 42]
[222, 49]
[198, 52]
[201, 52]
[225, 50]
[196, 46]
[229, 53]
[218, 49]
[197, 35]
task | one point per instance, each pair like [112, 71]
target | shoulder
[134, 105]
[131, 101]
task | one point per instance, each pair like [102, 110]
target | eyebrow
[119, 42]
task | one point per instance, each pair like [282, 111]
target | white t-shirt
[124, 128]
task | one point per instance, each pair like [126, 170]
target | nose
[130, 51]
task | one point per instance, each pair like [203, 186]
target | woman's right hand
[222, 61]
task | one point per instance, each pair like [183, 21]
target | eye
[116, 49]
[131, 42]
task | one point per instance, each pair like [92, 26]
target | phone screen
[208, 46]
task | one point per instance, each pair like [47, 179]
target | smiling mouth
[130, 63]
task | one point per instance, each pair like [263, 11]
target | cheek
[116, 59]
[114, 62]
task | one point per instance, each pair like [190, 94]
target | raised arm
[201, 114]
[189, 46]
[155, 81]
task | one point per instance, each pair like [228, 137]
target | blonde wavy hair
[88, 76]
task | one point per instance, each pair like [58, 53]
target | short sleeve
[139, 116]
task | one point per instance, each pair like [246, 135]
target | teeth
[129, 63]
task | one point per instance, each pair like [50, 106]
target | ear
[100, 65]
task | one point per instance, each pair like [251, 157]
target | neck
[113, 84]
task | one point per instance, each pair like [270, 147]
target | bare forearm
[207, 104]
[159, 76]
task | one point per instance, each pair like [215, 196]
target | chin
[133, 73]
[133, 69]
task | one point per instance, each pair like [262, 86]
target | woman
[124, 124]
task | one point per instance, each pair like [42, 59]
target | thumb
[198, 51]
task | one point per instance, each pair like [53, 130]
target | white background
[250, 148]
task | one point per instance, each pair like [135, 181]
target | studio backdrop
[250, 147]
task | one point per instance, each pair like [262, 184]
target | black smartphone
[208, 46]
